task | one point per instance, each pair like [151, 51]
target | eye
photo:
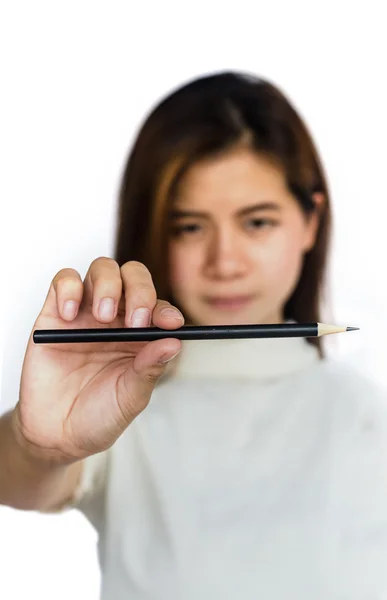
[185, 229]
[260, 223]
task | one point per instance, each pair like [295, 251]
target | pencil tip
[353, 328]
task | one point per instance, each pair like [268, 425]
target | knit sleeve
[360, 507]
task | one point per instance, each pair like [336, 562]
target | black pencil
[204, 332]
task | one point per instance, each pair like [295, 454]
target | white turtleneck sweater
[258, 471]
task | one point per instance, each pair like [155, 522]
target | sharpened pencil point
[353, 328]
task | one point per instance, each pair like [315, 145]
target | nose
[226, 258]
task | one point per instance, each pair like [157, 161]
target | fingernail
[70, 308]
[106, 308]
[164, 360]
[172, 313]
[141, 317]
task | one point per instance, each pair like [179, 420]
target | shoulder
[342, 375]
[357, 394]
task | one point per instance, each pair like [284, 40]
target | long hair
[202, 118]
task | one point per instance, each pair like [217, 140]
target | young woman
[243, 468]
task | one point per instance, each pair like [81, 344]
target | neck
[255, 358]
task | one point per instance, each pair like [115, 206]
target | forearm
[28, 482]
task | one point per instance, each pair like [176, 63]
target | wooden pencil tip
[325, 329]
[353, 328]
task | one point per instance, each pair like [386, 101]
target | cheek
[184, 265]
[282, 258]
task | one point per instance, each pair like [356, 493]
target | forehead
[232, 179]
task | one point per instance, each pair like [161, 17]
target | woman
[256, 468]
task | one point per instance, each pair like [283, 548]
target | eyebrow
[177, 213]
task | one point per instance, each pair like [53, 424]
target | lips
[229, 302]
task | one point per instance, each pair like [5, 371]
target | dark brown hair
[204, 117]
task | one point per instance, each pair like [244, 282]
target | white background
[79, 78]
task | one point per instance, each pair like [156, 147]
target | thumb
[139, 380]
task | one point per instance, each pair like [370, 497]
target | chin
[230, 318]
[204, 314]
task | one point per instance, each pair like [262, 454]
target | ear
[314, 220]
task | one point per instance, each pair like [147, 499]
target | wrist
[30, 454]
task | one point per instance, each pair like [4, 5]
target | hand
[77, 399]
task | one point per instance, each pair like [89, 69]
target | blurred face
[237, 241]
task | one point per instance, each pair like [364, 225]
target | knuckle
[154, 375]
[144, 294]
[138, 283]
[130, 404]
[146, 287]
[104, 273]
[133, 264]
[70, 291]
[66, 274]
[163, 304]
[68, 282]
[103, 260]
[128, 410]
[104, 281]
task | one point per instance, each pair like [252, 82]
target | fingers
[108, 288]
[135, 386]
[65, 295]
[140, 296]
[167, 316]
[103, 289]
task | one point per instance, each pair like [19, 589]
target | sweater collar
[255, 358]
